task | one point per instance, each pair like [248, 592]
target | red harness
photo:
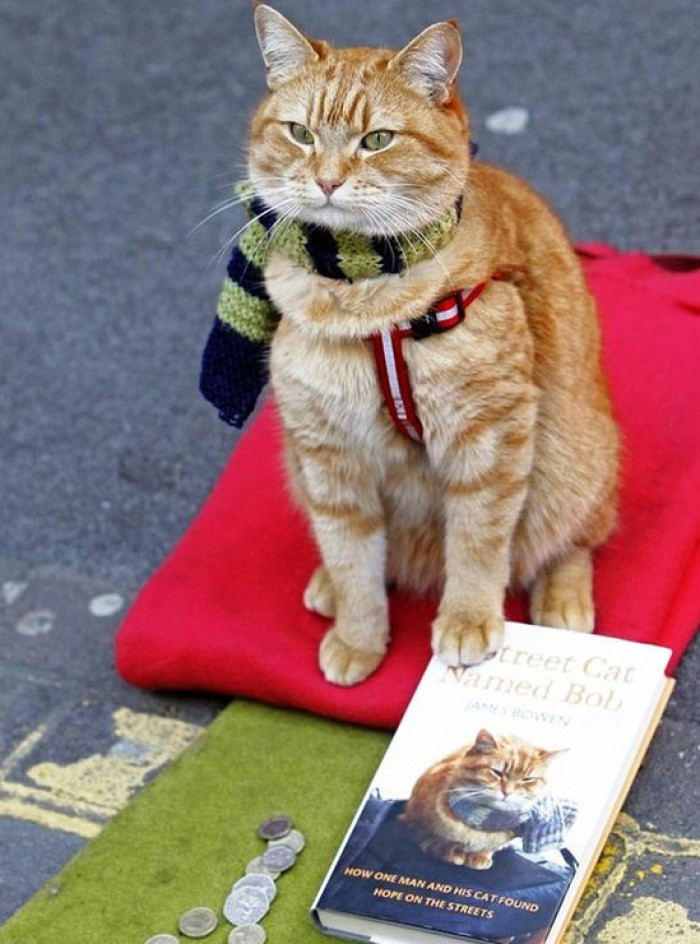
[391, 365]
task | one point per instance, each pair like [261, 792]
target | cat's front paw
[466, 639]
[343, 664]
[478, 860]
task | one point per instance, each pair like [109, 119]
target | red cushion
[224, 612]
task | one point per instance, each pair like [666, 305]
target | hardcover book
[497, 792]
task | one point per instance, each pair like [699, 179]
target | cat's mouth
[331, 213]
[329, 203]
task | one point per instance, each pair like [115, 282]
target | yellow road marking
[33, 813]
[22, 750]
[78, 796]
[649, 922]
[627, 841]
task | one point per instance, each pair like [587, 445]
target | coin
[255, 867]
[276, 827]
[279, 858]
[247, 934]
[295, 840]
[257, 880]
[246, 906]
[162, 939]
[198, 922]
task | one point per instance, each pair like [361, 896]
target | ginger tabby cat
[516, 478]
[498, 780]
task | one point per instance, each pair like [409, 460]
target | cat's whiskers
[446, 169]
[407, 204]
[408, 235]
[224, 205]
[282, 220]
[404, 186]
[229, 242]
[389, 221]
[279, 222]
[233, 182]
[385, 224]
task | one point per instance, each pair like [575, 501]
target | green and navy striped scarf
[235, 361]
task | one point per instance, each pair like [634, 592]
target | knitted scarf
[235, 360]
[544, 825]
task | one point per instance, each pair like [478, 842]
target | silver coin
[276, 827]
[256, 867]
[198, 922]
[295, 840]
[246, 906]
[257, 880]
[247, 934]
[162, 939]
[279, 858]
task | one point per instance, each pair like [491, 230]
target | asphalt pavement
[122, 125]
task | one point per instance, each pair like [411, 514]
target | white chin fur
[346, 218]
[339, 217]
[333, 217]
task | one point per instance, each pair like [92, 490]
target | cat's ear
[550, 755]
[430, 62]
[485, 743]
[284, 49]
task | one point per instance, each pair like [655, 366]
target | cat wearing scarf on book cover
[483, 796]
[373, 233]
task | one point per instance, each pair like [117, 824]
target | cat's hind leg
[319, 596]
[562, 595]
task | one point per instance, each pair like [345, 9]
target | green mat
[189, 835]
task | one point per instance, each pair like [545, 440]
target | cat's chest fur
[317, 373]
[326, 382]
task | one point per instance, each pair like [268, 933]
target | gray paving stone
[83, 731]
[50, 627]
[24, 704]
[681, 876]
[685, 701]
[30, 855]
[659, 877]
[664, 796]
[76, 652]
[80, 730]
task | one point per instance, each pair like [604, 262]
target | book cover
[496, 793]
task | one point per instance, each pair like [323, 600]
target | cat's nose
[328, 184]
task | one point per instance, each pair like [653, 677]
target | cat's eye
[497, 772]
[376, 140]
[529, 779]
[300, 133]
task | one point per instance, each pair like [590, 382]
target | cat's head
[503, 772]
[363, 139]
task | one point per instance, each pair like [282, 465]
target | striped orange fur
[516, 480]
[494, 769]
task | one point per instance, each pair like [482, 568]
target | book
[497, 792]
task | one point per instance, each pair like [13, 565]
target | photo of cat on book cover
[478, 846]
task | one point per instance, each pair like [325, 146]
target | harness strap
[394, 381]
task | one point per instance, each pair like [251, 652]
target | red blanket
[224, 612]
